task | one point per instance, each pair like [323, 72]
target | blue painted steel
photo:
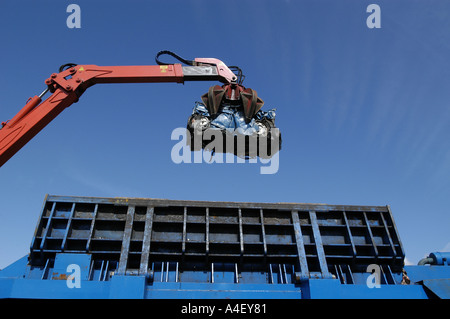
[145, 248]
[441, 258]
[63, 261]
[16, 282]
[420, 273]
[331, 289]
[440, 287]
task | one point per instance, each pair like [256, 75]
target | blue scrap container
[86, 247]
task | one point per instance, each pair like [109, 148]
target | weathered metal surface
[157, 248]
[137, 235]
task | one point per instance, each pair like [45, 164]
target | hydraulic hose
[426, 261]
[66, 66]
[176, 56]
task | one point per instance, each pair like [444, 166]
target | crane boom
[69, 84]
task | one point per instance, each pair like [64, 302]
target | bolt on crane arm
[69, 84]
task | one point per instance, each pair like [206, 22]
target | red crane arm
[67, 86]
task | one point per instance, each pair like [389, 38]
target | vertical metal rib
[44, 206]
[319, 245]
[123, 261]
[207, 231]
[143, 268]
[263, 232]
[394, 254]
[271, 273]
[48, 226]
[395, 230]
[370, 234]
[280, 273]
[300, 246]
[167, 271]
[68, 227]
[241, 233]
[91, 232]
[349, 232]
[183, 244]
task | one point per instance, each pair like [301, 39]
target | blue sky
[363, 112]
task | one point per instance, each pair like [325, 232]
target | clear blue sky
[364, 112]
